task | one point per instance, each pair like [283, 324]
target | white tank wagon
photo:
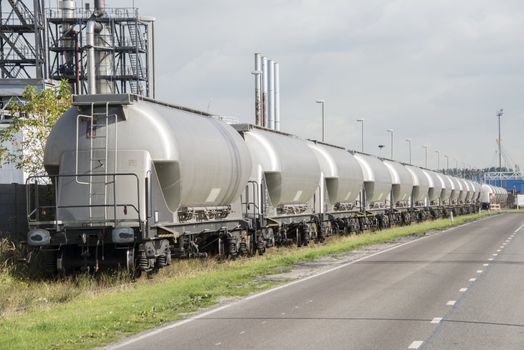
[449, 194]
[129, 171]
[340, 186]
[342, 176]
[377, 181]
[401, 190]
[434, 187]
[287, 170]
[420, 186]
[493, 195]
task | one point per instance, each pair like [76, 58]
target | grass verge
[84, 312]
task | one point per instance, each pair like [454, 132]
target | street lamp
[362, 138]
[426, 156]
[391, 132]
[447, 164]
[499, 114]
[409, 142]
[438, 159]
[322, 102]
[380, 148]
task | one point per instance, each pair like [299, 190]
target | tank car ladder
[98, 133]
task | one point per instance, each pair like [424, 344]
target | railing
[37, 212]
[124, 12]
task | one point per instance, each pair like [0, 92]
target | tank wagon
[139, 182]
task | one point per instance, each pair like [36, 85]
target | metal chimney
[264, 92]
[277, 96]
[271, 94]
[258, 97]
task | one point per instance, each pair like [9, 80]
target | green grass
[85, 312]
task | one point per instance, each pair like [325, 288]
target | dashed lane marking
[491, 259]
[416, 344]
[451, 302]
[479, 271]
[277, 288]
[472, 279]
[494, 254]
[218, 344]
[242, 332]
[436, 320]
[462, 290]
[485, 264]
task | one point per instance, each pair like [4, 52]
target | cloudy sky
[435, 71]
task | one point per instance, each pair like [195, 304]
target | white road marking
[502, 246]
[263, 322]
[277, 288]
[242, 332]
[416, 344]
[436, 320]
[485, 264]
[498, 250]
[479, 271]
[463, 290]
[495, 254]
[491, 259]
[517, 230]
[283, 313]
[472, 279]
[218, 344]
[451, 302]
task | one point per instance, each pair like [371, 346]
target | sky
[434, 71]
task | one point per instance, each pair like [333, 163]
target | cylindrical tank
[464, 190]
[402, 181]
[290, 167]
[446, 187]
[377, 180]
[341, 170]
[199, 160]
[487, 194]
[420, 185]
[435, 186]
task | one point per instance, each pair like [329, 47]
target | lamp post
[499, 114]
[380, 148]
[447, 164]
[426, 156]
[322, 102]
[438, 159]
[391, 132]
[362, 137]
[409, 143]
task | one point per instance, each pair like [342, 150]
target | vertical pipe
[277, 96]
[258, 102]
[264, 92]
[271, 95]
[91, 73]
[153, 58]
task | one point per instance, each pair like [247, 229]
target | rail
[35, 211]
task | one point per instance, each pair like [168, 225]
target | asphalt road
[457, 289]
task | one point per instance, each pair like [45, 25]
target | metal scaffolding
[128, 44]
[22, 54]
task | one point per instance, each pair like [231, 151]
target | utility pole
[322, 102]
[362, 138]
[409, 142]
[391, 132]
[500, 113]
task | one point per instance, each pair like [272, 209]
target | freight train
[139, 182]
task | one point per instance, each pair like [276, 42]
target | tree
[30, 126]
